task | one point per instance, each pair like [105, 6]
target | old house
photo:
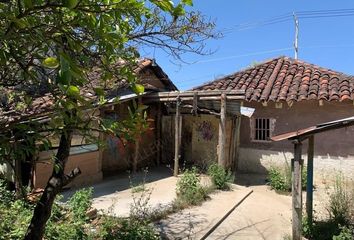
[287, 95]
[94, 162]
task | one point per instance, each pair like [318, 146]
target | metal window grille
[262, 129]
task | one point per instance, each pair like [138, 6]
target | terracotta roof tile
[287, 79]
[44, 102]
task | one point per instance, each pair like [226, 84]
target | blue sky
[325, 41]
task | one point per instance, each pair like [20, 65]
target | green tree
[49, 48]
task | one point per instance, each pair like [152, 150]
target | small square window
[262, 129]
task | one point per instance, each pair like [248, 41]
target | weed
[346, 233]
[339, 207]
[220, 176]
[338, 226]
[139, 188]
[189, 189]
[280, 178]
[117, 228]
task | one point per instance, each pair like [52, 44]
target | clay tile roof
[286, 79]
[43, 102]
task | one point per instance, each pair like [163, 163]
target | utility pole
[296, 35]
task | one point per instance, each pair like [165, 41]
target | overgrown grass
[69, 221]
[66, 222]
[279, 178]
[340, 222]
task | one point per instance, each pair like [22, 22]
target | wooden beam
[191, 93]
[222, 132]
[177, 137]
[309, 186]
[201, 98]
[296, 166]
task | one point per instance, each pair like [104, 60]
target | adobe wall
[199, 141]
[118, 153]
[334, 150]
[88, 162]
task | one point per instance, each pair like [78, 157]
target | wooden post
[309, 186]
[158, 134]
[177, 137]
[195, 103]
[222, 131]
[296, 166]
[237, 142]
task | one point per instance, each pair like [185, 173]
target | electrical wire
[313, 14]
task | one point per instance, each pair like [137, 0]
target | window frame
[254, 129]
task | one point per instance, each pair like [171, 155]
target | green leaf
[138, 89]
[179, 11]
[28, 4]
[71, 3]
[165, 5]
[50, 62]
[73, 91]
[99, 91]
[188, 2]
[64, 77]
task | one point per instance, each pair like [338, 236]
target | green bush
[346, 233]
[220, 177]
[340, 204]
[339, 225]
[189, 189]
[6, 196]
[66, 221]
[80, 202]
[126, 229]
[280, 178]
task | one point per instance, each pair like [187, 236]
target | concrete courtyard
[262, 213]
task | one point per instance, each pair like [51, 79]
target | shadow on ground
[250, 179]
[124, 181]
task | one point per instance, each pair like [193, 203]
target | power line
[289, 16]
[186, 83]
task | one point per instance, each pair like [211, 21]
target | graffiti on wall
[205, 130]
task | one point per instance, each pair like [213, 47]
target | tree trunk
[55, 183]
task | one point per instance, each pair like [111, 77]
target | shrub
[220, 177]
[66, 221]
[339, 207]
[189, 189]
[6, 196]
[280, 178]
[80, 202]
[346, 233]
[126, 229]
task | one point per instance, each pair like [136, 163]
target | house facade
[288, 95]
[117, 154]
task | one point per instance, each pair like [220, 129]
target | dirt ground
[264, 214]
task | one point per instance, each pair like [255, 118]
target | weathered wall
[200, 134]
[333, 149]
[88, 162]
[205, 139]
[117, 155]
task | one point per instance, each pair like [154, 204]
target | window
[262, 129]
